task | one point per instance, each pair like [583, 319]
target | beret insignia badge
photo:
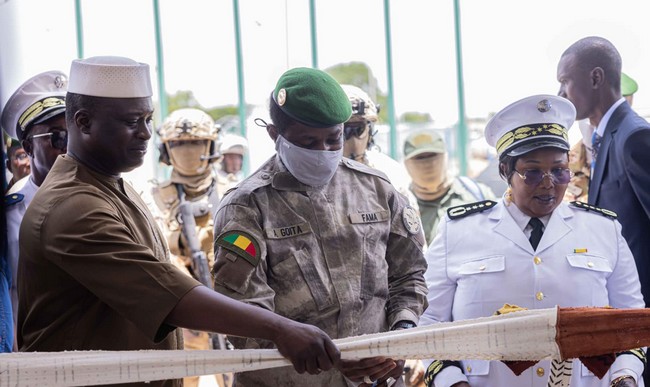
[282, 97]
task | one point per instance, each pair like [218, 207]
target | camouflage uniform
[580, 165]
[426, 160]
[188, 143]
[345, 257]
[463, 190]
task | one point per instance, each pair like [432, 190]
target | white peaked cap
[35, 101]
[110, 76]
[531, 123]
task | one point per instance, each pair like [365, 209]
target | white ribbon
[505, 337]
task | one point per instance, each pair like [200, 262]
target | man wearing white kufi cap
[532, 250]
[99, 271]
[35, 115]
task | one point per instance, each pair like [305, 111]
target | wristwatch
[403, 324]
[617, 381]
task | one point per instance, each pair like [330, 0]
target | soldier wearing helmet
[188, 144]
[360, 146]
[232, 151]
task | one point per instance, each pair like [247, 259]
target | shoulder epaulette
[589, 207]
[14, 198]
[470, 208]
[363, 168]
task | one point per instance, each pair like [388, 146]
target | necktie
[595, 146]
[537, 232]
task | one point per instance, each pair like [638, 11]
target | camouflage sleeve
[240, 264]
[406, 264]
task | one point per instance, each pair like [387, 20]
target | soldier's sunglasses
[353, 129]
[535, 176]
[58, 139]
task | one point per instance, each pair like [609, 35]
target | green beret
[628, 85]
[312, 97]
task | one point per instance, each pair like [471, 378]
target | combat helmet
[359, 130]
[363, 108]
[233, 144]
[188, 141]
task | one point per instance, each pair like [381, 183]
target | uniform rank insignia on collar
[12, 199]
[242, 244]
[470, 208]
[589, 207]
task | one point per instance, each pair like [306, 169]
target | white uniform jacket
[15, 212]
[481, 261]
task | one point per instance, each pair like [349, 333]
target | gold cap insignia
[60, 82]
[544, 105]
[282, 97]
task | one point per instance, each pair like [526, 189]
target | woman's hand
[367, 371]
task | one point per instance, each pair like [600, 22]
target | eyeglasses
[535, 176]
[354, 129]
[20, 156]
[58, 139]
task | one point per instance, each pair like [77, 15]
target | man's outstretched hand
[307, 347]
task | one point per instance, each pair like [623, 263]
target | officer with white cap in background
[35, 115]
[530, 249]
[99, 272]
[233, 149]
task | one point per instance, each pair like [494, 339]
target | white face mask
[311, 167]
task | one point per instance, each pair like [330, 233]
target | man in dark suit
[589, 73]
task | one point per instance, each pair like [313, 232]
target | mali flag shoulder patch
[242, 244]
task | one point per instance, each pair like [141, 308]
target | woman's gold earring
[508, 195]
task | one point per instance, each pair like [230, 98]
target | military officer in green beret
[319, 238]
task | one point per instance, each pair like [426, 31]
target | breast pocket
[589, 262]
[371, 227]
[374, 272]
[476, 368]
[479, 283]
[491, 264]
[591, 272]
[301, 284]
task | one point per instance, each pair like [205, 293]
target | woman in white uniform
[530, 249]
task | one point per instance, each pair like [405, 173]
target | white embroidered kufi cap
[110, 76]
[531, 123]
